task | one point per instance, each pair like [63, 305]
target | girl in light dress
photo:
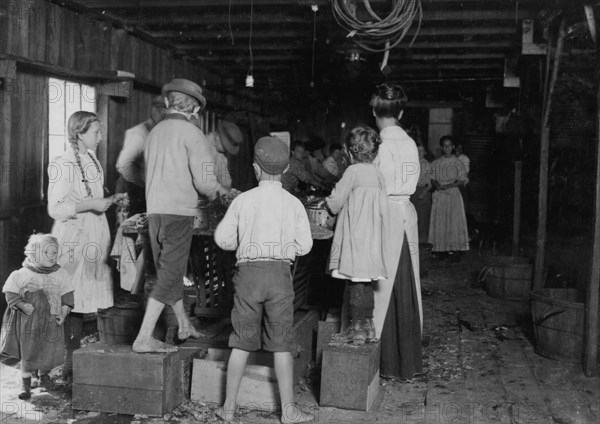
[77, 204]
[39, 298]
[357, 254]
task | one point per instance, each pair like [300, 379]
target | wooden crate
[212, 270]
[112, 378]
[350, 376]
[259, 388]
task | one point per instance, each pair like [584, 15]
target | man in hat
[225, 140]
[179, 168]
[130, 163]
[268, 228]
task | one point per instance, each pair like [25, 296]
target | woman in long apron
[398, 315]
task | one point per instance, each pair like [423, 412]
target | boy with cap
[179, 167]
[268, 227]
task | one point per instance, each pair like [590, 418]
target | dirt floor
[480, 367]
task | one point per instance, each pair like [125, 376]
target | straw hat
[231, 136]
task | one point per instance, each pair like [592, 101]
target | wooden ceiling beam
[256, 58]
[454, 56]
[297, 58]
[204, 48]
[147, 4]
[239, 17]
[447, 66]
[395, 65]
[306, 32]
[202, 19]
[137, 4]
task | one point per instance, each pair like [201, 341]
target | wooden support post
[540, 254]
[517, 209]
[102, 105]
[590, 356]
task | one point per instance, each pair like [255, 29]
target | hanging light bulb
[249, 81]
[315, 9]
[249, 76]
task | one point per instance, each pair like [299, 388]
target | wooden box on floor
[350, 376]
[112, 378]
[259, 389]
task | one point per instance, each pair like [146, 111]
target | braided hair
[79, 123]
[388, 100]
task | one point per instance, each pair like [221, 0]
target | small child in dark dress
[39, 297]
[357, 253]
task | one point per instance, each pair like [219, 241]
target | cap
[184, 86]
[231, 136]
[272, 155]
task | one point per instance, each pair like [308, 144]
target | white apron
[404, 217]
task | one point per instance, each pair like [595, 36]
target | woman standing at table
[77, 204]
[398, 314]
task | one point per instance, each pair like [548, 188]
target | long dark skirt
[401, 354]
[36, 338]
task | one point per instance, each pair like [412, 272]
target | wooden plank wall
[44, 32]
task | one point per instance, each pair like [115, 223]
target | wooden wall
[46, 40]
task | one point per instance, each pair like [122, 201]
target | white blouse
[398, 160]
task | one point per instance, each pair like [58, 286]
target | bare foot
[225, 415]
[291, 414]
[186, 332]
[152, 346]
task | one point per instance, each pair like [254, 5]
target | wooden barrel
[509, 278]
[119, 324]
[558, 322]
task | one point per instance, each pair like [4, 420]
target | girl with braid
[77, 204]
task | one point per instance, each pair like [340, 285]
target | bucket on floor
[120, 324]
[509, 278]
[558, 322]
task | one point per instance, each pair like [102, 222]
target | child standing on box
[39, 297]
[358, 248]
[268, 227]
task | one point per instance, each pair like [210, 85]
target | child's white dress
[359, 241]
[36, 338]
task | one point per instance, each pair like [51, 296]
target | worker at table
[296, 171]
[179, 167]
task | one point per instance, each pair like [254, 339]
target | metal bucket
[321, 217]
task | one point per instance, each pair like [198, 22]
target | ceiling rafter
[289, 33]
[199, 19]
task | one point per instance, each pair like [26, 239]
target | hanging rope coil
[389, 31]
